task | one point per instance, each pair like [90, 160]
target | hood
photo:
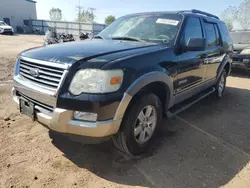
[240, 47]
[5, 27]
[85, 50]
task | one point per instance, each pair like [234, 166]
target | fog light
[85, 116]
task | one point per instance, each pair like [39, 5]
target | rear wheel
[221, 85]
[139, 125]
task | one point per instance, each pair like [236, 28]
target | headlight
[96, 81]
[245, 51]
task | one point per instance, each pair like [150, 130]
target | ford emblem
[34, 72]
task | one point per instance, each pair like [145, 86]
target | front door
[191, 64]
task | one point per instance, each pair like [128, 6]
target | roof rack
[236, 30]
[201, 12]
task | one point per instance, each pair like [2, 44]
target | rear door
[215, 52]
[191, 68]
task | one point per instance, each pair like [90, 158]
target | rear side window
[211, 34]
[192, 30]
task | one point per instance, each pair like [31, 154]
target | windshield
[150, 28]
[240, 37]
[2, 24]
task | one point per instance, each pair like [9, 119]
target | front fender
[149, 78]
[226, 60]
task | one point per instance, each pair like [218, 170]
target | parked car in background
[241, 43]
[5, 28]
[122, 82]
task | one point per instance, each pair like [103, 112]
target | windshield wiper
[127, 38]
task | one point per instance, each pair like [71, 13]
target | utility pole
[79, 8]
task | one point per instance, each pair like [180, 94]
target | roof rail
[204, 13]
[236, 30]
[201, 12]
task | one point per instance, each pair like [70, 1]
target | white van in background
[5, 28]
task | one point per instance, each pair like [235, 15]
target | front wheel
[221, 85]
[139, 125]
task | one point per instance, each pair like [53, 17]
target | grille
[45, 76]
[7, 30]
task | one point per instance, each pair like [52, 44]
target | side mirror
[196, 44]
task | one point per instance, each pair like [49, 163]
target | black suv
[123, 81]
[241, 43]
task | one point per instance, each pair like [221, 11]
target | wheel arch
[158, 83]
[225, 65]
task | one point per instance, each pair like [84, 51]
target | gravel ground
[10, 47]
[210, 149]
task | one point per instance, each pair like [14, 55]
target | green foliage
[110, 19]
[55, 14]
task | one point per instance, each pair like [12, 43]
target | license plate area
[27, 108]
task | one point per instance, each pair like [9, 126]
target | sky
[122, 7]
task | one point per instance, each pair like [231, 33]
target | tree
[110, 19]
[243, 14]
[240, 14]
[229, 16]
[55, 14]
[229, 26]
[85, 15]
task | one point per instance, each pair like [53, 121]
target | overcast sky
[122, 7]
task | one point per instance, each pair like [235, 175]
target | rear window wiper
[127, 38]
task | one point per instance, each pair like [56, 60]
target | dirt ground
[210, 149]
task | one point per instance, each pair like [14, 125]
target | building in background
[17, 12]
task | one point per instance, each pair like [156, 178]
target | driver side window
[192, 30]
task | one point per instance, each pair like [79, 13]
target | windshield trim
[179, 31]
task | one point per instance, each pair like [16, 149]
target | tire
[220, 86]
[129, 141]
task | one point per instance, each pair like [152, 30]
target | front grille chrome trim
[51, 75]
[37, 80]
[23, 66]
[42, 76]
[46, 63]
